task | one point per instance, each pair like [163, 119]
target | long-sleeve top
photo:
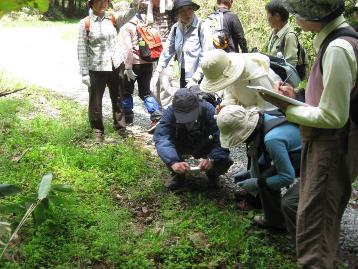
[171, 143]
[189, 46]
[256, 72]
[279, 142]
[339, 77]
[233, 26]
[129, 43]
[291, 45]
[100, 50]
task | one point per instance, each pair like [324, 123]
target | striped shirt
[100, 50]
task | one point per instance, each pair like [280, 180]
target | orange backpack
[88, 23]
[150, 44]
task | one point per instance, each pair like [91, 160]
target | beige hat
[220, 69]
[236, 124]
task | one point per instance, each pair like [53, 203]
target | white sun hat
[236, 124]
[220, 69]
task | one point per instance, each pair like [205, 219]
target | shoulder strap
[87, 25]
[345, 31]
[199, 31]
[273, 123]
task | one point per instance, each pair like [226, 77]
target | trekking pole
[283, 83]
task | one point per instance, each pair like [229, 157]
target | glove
[191, 83]
[250, 185]
[86, 80]
[154, 81]
[130, 74]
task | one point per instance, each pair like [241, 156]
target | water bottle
[144, 51]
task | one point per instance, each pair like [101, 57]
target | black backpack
[345, 32]
[301, 65]
[285, 70]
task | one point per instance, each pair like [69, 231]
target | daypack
[285, 70]
[88, 24]
[341, 33]
[220, 35]
[301, 65]
[150, 45]
[211, 98]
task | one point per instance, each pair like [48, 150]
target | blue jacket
[279, 142]
[172, 140]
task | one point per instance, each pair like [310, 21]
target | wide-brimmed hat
[315, 10]
[185, 106]
[182, 3]
[236, 124]
[220, 69]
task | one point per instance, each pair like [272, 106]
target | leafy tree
[13, 5]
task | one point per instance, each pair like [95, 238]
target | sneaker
[175, 182]
[99, 136]
[153, 125]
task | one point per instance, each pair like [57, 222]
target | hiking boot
[175, 182]
[122, 132]
[129, 118]
[263, 223]
[99, 136]
[153, 125]
[213, 182]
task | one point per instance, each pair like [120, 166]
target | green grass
[119, 214]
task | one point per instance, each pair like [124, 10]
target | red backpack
[150, 44]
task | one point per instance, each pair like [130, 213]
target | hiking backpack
[150, 45]
[301, 65]
[285, 70]
[341, 33]
[88, 24]
[220, 35]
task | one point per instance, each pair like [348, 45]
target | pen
[283, 83]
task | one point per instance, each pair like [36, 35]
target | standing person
[100, 56]
[329, 134]
[136, 69]
[163, 20]
[282, 33]
[188, 127]
[283, 40]
[232, 26]
[188, 40]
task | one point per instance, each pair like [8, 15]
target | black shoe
[176, 182]
[129, 117]
[241, 176]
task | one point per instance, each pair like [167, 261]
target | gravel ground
[51, 62]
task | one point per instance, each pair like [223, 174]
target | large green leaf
[8, 189]
[45, 186]
[61, 188]
[13, 5]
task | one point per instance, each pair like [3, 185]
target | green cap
[315, 10]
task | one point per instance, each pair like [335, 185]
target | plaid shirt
[101, 51]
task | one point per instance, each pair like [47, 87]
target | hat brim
[231, 140]
[187, 117]
[194, 5]
[231, 75]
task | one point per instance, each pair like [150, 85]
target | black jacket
[233, 26]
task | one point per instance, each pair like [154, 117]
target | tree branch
[11, 92]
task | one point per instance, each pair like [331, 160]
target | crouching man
[188, 127]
